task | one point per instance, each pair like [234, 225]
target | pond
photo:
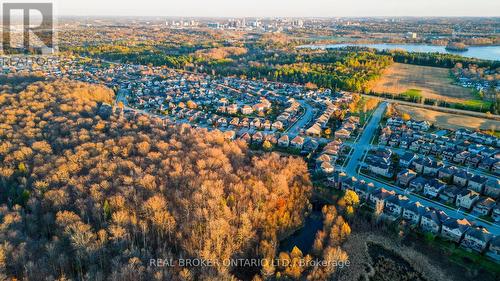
[479, 52]
[304, 238]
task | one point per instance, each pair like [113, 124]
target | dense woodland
[336, 69]
[90, 195]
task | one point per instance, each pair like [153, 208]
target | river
[479, 52]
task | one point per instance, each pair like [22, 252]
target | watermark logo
[28, 28]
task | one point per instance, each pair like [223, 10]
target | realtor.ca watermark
[28, 62]
[190, 263]
[27, 28]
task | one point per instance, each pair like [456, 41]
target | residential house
[433, 187]
[278, 125]
[233, 109]
[246, 137]
[418, 184]
[267, 125]
[431, 220]
[246, 110]
[394, 141]
[256, 123]
[395, 122]
[346, 182]
[496, 168]
[383, 139]
[383, 153]
[406, 159]
[418, 164]
[461, 178]
[476, 148]
[474, 161]
[394, 205]
[259, 107]
[284, 141]
[454, 229]
[377, 198]
[431, 167]
[462, 146]
[477, 183]
[446, 173]
[342, 134]
[494, 249]
[449, 153]
[449, 194]
[405, 177]
[235, 121]
[334, 180]
[315, 130]
[380, 166]
[461, 157]
[413, 212]
[245, 123]
[271, 137]
[492, 188]
[222, 121]
[404, 143]
[476, 239]
[415, 146]
[324, 158]
[484, 206]
[466, 199]
[297, 142]
[333, 151]
[326, 168]
[258, 137]
[425, 148]
[310, 145]
[363, 189]
[487, 164]
[424, 125]
[495, 214]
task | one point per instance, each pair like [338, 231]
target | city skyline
[280, 8]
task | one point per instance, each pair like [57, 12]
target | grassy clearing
[477, 105]
[413, 95]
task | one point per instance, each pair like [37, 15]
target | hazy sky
[304, 8]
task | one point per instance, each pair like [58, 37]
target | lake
[479, 52]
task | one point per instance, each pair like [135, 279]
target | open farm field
[427, 82]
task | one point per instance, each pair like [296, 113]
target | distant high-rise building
[411, 35]
[215, 25]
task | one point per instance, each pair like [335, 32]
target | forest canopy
[86, 194]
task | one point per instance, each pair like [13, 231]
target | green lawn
[412, 95]
[479, 105]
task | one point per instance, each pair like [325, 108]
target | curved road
[306, 118]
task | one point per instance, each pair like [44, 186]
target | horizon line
[267, 17]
